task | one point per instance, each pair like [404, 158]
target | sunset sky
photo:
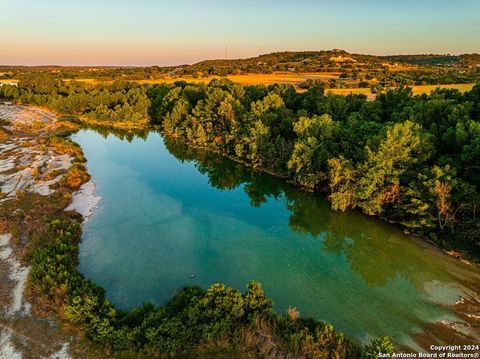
[148, 32]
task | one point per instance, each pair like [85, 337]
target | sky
[148, 32]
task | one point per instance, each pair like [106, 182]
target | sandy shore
[84, 201]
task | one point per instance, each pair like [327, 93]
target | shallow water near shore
[171, 216]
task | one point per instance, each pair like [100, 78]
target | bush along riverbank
[218, 319]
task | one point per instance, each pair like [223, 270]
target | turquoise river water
[170, 216]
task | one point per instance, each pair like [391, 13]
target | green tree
[315, 144]
[380, 175]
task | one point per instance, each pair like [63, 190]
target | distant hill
[322, 61]
[290, 61]
[301, 61]
[334, 68]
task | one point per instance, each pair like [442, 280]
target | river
[171, 216]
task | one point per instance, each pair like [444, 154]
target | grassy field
[90, 81]
[246, 79]
[417, 90]
[256, 79]
[356, 91]
[429, 88]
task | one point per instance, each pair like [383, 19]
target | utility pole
[226, 52]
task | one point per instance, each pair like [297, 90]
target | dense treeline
[120, 101]
[101, 73]
[432, 76]
[414, 160]
[436, 60]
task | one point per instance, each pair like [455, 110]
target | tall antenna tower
[226, 52]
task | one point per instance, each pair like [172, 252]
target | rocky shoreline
[29, 164]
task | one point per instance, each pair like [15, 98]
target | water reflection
[124, 135]
[377, 251]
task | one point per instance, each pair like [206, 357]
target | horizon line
[241, 58]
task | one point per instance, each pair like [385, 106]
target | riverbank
[35, 166]
[114, 125]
